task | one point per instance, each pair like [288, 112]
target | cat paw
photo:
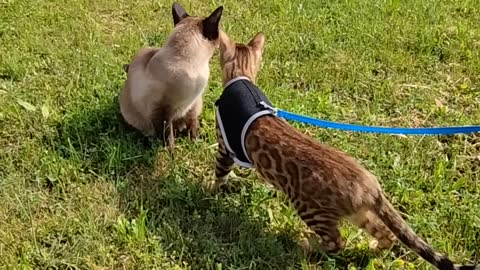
[333, 247]
[170, 144]
[193, 134]
[180, 126]
[380, 244]
[212, 186]
[373, 245]
[193, 130]
[309, 243]
[306, 247]
[232, 176]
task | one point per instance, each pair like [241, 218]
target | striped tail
[405, 234]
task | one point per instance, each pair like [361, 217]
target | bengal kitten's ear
[227, 47]
[178, 13]
[257, 42]
[210, 24]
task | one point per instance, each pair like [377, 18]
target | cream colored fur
[168, 82]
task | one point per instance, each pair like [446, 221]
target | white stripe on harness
[247, 126]
[227, 145]
[234, 80]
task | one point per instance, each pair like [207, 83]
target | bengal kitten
[324, 185]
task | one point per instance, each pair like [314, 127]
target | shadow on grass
[193, 227]
[227, 228]
[101, 143]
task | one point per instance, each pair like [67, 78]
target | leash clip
[268, 107]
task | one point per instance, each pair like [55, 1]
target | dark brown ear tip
[176, 7]
[218, 11]
[178, 13]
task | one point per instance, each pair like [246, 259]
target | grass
[78, 191]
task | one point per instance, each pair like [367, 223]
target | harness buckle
[268, 107]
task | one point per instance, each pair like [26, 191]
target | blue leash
[385, 130]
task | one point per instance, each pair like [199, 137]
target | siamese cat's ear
[210, 24]
[178, 13]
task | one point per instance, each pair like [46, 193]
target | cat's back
[142, 59]
[180, 78]
[183, 70]
[315, 170]
[138, 78]
[302, 150]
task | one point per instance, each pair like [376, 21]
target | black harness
[240, 104]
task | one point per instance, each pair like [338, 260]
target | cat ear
[257, 42]
[210, 24]
[227, 47]
[178, 13]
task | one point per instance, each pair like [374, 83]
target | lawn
[79, 191]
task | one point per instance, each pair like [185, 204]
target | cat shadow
[194, 226]
[179, 211]
[209, 229]
[101, 142]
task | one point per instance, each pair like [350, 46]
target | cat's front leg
[193, 124]
[193, 128]
[223, 164]
[170, 135]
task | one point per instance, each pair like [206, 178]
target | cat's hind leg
[191, 118]
[325, 225]
[369, 222]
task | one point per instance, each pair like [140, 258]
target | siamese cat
[165, 86]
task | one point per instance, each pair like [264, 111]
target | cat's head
[238, 59]
[203, 30]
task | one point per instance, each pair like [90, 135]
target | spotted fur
[324, 185]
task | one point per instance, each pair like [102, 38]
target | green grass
[78, 191]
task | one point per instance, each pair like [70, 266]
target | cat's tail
[405, 234]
